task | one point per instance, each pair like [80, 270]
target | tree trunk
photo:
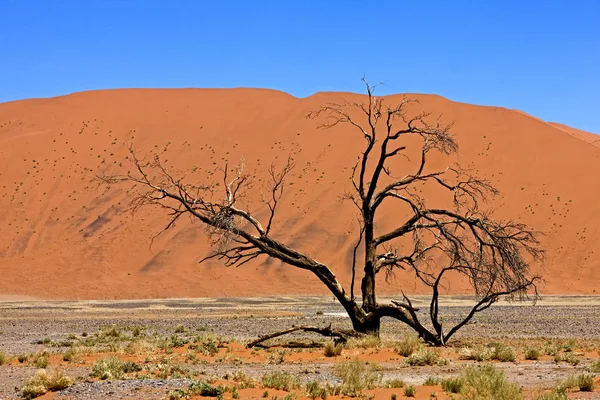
[370, 326]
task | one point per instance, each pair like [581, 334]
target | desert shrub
[108, 368]
[130, 366]
[45, 381]
[315, 390]
[243, 380]
[204, 389]
[394, 384]
[559, 394]
[453, 385]
[41, 360]
[532, 353]
[71, 355]
[407, 345]
[356, 376]
[477, 353]
[410, 391]
[332, 349]
[22, 358]
[568, 357]
[595, 367]
[176, 394]
[431, 381]
[502, 352]
[280, 381]
[3, 358]
[180, 329]
[426, 356]
[583, 382]
[487, 382]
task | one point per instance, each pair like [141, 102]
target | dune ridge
[64, 237]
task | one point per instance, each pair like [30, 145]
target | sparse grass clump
[584, 382]
[41, 359]
[426, 356]
[71, 355]
[559, 394]
[333, 349]
[431, 381]
[487, 382]
[3, 358]
[532, 353]
[45, 381]
[280, 381]
[453, 385]
[315, 390]
[595, 367]
[356, 376]
[410, 391]
[108, 368]
[394, 384]
[204, 389]
[502, 352]
[407, 345]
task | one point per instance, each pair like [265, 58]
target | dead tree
[432, 242]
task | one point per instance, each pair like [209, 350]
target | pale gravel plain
[24, 322]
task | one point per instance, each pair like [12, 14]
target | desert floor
[166, 345]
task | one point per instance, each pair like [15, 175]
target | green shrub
[584, 382]
[44, 381]
[407, 345]
[502, 352]
[595, 367]
[532, 353]
[410, 391]
[394, 384]
[477, 353]
[356, 376]
[453, 385]
[426, 356]
[280, 381]
[431, 381]
[315, 390]
[204, 389]
[108, 368]
[332, 349]
[487, 382]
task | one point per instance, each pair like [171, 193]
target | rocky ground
[54, 327]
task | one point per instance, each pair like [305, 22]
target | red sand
[62, 237]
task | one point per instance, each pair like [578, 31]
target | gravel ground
[24, 323]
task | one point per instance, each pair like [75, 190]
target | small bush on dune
[332, 349]
[407, 345]
[45, 381]
[410, 391]
[315, 390]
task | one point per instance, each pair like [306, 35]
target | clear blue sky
[542, 57]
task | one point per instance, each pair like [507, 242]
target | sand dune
[63, 237]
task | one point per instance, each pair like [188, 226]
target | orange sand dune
[586, 136]
[63, 237]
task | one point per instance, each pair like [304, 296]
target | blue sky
[542, 57]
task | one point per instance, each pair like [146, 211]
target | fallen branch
[340, 336]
